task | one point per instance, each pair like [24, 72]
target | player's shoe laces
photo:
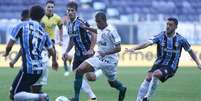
[92, 99]
[43, 97]
[145, 99]
[122, 94]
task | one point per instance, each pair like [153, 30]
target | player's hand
[55, 65]
[131, 50]
[90, 52]
[11, 64]
[102, 54]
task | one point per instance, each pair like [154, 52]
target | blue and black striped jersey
[169, 49]
[80, 37]
[33, 39]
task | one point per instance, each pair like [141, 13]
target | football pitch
[184, 86]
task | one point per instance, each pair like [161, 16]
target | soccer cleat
[145, 99]
[122, 94]
[66, 73]
[93, 99]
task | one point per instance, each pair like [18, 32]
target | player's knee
[36, 88]
[91, 76]
[148, 77]
[157, 73]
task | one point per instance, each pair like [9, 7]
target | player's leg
[144, 87]
[162, 74]
[26, 96]
[22, 91]
[88, 90]
[37, 86]
[63, 50]
[110, 70]
[153, 84]
[80, 71]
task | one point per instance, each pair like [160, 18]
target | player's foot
[122, 94]
[145, 99]
[66, 73]
[73, 99]
[43, 97]
[92, 99]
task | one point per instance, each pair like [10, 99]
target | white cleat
[66, 73]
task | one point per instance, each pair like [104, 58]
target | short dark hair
[50, 1]
[173, 19]
[72, 5]
[102, 15]
[25, 14]
[37, 12]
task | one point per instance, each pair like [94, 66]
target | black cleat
[145, 99]
[122, 94]
[72, 99]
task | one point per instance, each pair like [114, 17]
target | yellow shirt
[51, 23]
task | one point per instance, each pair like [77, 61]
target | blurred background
[136, 20]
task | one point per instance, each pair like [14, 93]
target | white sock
[98, 73]
[25, 96]
[142, 90]
[152, 87]
[87, 89]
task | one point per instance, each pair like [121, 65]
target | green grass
[184, 86]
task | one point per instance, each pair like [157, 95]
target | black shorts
[167, 72]
[23, 82]
[78, 60]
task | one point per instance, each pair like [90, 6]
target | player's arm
[17, 30]
[93, 37]
[153, 40]
[140, 46]
[52, 52]
[9, 47]
[114, 50]
[195, 58]
[12, 63]
[54, 58]
[70, 46]
[60, 26]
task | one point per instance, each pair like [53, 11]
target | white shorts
[109, 69]
[43, 79]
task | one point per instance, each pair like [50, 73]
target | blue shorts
[23, 82]
[167, 72]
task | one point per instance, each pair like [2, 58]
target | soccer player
[106, 58]
[33, 39]
[37, 87]
[169, 47]
[51, 20]
[83, 42]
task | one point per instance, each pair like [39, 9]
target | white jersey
[106, 40]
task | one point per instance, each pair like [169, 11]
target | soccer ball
[62, 98]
